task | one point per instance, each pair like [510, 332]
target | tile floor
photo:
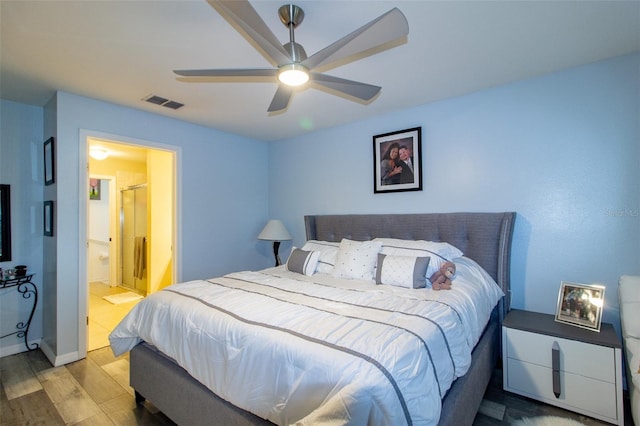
[103, 315]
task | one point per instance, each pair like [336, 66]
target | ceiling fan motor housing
[296, 51]
[291, 14]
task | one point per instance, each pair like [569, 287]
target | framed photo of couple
[397, 160]
[580, 305]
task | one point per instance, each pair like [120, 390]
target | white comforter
[310, 350]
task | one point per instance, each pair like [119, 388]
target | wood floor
[96, 391]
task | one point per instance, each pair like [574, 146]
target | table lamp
[275, 231]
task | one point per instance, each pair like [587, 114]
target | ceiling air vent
[159, 100]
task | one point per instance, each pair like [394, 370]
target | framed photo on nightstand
[580, 305]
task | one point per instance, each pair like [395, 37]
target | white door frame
[83, 204]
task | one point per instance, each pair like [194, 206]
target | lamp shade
[274, 231]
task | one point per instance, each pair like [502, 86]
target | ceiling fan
[292, 66]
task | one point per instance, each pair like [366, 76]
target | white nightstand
[589, 365]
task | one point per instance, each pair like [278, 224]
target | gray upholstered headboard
[483, 237]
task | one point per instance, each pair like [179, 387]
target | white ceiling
[123, 51]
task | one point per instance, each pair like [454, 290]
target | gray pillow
[302, 261]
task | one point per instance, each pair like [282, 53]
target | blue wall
[224, 203]
[21, 162]
[562, 150]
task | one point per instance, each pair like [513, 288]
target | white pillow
[356, 260]
[439, 252]
[303, 262]
[328, 252]
[402, 271]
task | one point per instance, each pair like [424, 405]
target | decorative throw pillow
[303, 262]
[328, 251]
[439, 252]
[356, 259]
[402, 271]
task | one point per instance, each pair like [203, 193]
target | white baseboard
[17, 348]
[58, 360]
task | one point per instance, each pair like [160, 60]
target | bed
[485, 240]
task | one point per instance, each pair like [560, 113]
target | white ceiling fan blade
[363, 91]
[246, 20]
[281, 99]
[239, 72]
[384, 29]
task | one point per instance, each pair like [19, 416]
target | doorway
[141, 185]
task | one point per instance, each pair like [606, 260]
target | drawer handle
[555, 363]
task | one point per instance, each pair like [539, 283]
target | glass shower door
[133, 225]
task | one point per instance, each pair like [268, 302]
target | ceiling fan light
[98, 153]
[293, 75]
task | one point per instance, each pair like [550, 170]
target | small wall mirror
[5, 223]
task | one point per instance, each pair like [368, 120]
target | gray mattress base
[186, 401]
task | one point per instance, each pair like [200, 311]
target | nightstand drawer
[588, 363]
[578, 392]
[578, 358]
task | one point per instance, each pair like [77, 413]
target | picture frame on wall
[397, 161]
[580, 305]
[94, 189]
[48, 218]
[49, 163]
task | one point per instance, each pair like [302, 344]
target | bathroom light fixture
[275, 231]
[293, 75]
[98, 153]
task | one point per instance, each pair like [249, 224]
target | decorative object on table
[21, 270]
[5, 223]
[8, 274]
[397, 161]
[276, 232]
[49, 162]
[580, 305]
[48, 218]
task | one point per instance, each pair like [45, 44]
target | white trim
[18, 347]
[57, 361]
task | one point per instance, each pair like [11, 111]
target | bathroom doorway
[141, 257]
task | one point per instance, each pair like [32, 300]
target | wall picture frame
[49, 162]
[397, 161]
[580, 305]
[94, 189]
[48, 218]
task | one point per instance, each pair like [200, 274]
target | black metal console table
[28, 290]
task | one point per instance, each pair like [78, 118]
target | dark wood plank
[118, 406]
[33, 409]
